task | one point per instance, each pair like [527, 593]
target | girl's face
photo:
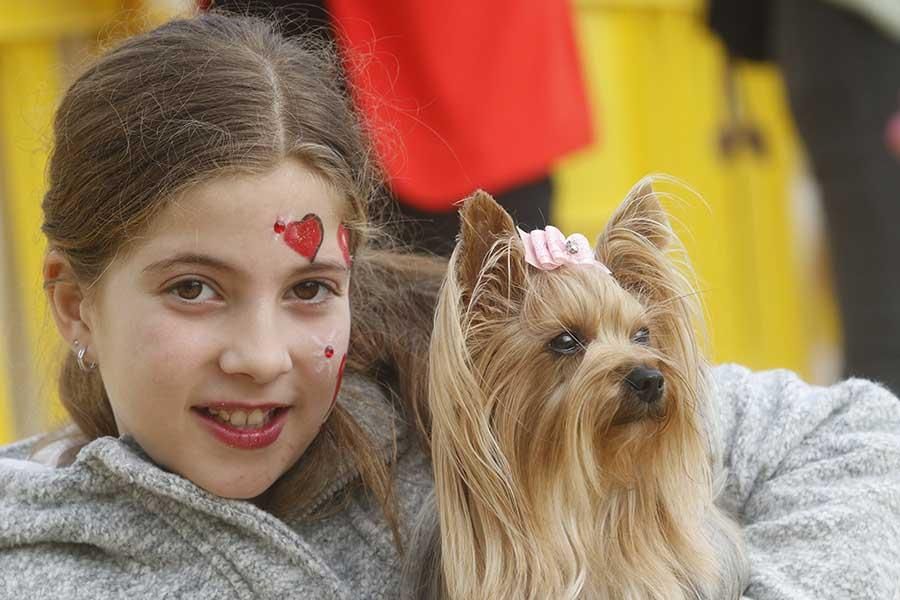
[221, 336]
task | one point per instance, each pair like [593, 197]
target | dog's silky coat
[572, 438]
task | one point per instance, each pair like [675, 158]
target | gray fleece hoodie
[813, 474]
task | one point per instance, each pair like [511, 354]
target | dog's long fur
[551, 482]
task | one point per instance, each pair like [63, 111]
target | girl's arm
[813, 475]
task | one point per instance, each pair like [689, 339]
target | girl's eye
[193, 291]
[565, 343]
[642, 337]
[311, 291]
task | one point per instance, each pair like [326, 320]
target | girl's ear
[635, 240]
[67, 300]
[489, 255]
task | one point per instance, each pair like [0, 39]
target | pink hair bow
[548, 249]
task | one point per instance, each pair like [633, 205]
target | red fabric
[465, 93]
[892, 134]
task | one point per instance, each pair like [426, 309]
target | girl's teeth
[255, 418]
[239, 418]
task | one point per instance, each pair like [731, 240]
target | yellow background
[656, 81]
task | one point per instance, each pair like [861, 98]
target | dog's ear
[489, 251]
[640, 213]
[635, 240]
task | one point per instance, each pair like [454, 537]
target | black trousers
[295, 17]
[843, 80]
[528, 204]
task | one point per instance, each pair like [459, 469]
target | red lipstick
[240, 437]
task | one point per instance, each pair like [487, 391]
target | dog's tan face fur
[578, 401]
[554, 479]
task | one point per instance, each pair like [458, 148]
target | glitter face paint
[323, 349]
[304, 236]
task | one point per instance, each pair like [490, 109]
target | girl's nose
[257, 349]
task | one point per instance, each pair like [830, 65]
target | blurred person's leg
[295, 17]
[843, 77]
[529, 205]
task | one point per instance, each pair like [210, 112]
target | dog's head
[575, 368]
[570, 432]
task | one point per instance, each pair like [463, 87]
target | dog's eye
[642, 337]
[565, 343]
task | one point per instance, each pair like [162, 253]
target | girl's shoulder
[19, 450]
[759, 402]
[813, 474]
[42, 451]
[113, 523]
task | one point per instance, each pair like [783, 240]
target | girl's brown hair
[211, 95]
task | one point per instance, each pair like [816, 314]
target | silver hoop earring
[79, 357]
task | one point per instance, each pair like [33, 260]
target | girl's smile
[243, 426]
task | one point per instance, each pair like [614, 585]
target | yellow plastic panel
[31, 68]
[28, 92]
[656, 82]
[658, 5]
[23, 21]
[6, 387]
[779, 294]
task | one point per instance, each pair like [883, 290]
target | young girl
[236, 435]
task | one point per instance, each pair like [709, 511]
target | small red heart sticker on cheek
[344, 243]
[892, 134]
[337, 386]
[304, 236]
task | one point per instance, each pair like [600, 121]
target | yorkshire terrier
[573, 438]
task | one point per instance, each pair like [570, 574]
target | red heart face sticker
[344, 243]
[304, 236]
[337, 386]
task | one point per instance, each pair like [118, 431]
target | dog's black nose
[647, 383]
